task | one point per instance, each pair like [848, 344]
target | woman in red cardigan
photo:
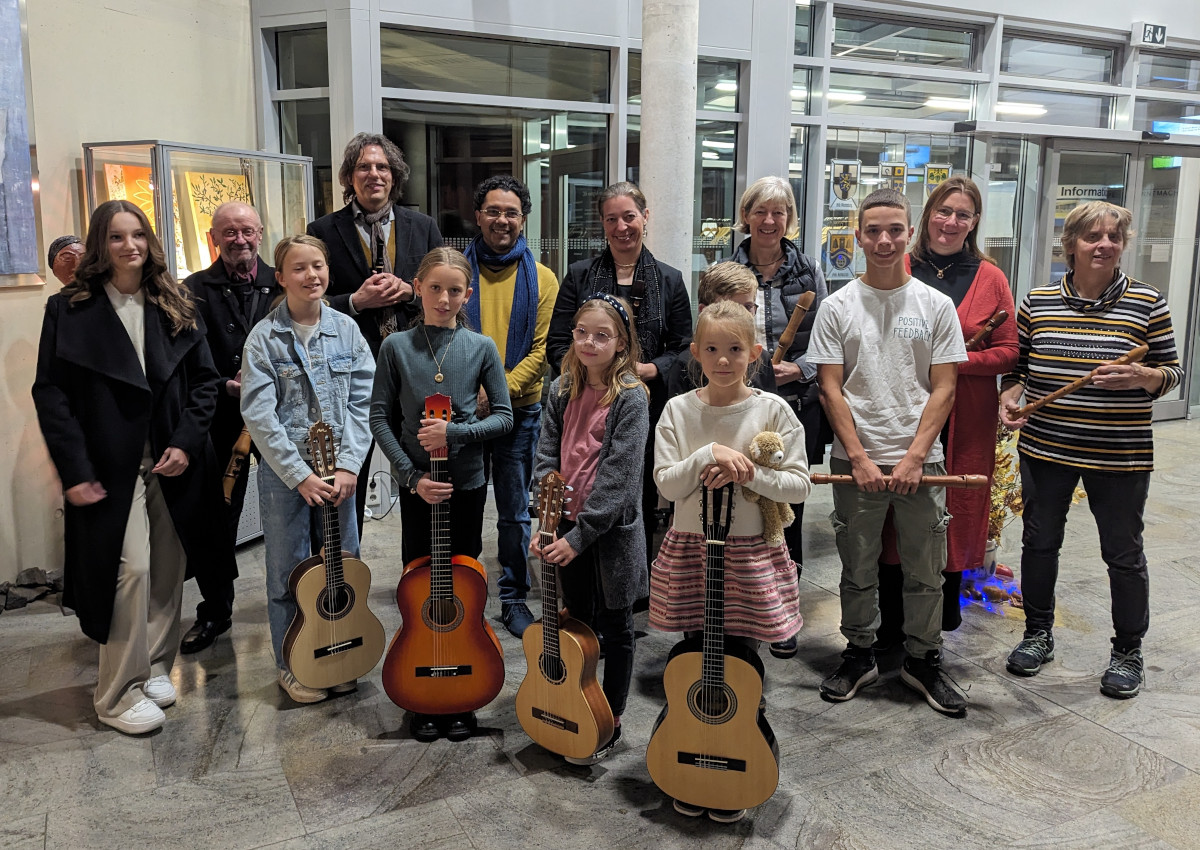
[946, 256]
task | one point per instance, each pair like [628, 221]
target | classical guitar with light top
[711, 746]
[334, 637]
[560, 704]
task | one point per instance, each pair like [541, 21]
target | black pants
[807, 407]
[1117, 501]
[216, 586]
[466, 523]
[582, 592]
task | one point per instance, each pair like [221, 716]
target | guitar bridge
[335, 648]
[555, 721]
[708, 762]
[444, 671]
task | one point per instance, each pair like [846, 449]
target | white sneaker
[143, 717]
[298, 692]
[159, 690]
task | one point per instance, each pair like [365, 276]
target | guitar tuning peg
[569, 489]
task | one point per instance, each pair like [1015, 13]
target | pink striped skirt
[762, 596]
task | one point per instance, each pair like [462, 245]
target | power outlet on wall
[373, 494]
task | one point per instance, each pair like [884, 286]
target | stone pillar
[670, 35]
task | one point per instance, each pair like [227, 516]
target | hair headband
[610, 301]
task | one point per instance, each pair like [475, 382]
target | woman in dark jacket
[767, 215]
[125, 392]
[661, 307]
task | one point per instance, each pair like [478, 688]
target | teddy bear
[766, 449]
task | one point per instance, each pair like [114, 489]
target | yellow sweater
[495, 296]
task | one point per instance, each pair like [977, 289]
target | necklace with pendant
[439, 377]
[941, 272]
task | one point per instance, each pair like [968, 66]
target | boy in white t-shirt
[887, 348]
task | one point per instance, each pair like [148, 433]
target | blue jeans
[511, 458]
[285, 522]
[1117, 501]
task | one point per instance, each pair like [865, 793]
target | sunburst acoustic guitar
[711, 746]
[445, 659]
[334, 637]
[560, 704]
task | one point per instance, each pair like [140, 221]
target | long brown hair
[95, 268]
[920, 247]
[621, 373]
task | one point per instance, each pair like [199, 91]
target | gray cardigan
[612, 516]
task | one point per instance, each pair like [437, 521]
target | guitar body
[560, 703]
[333, 639]
[722, 755]
[445, 658]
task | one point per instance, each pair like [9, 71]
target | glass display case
[197, 179]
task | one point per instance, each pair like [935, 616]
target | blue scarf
[523, 319]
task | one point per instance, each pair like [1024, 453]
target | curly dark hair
[504, 183]
[95, 268]
[354, 150]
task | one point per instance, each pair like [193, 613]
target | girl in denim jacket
[303, 362]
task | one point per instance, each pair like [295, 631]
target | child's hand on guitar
[432, 434]
[730, 466]
[559, 552]
[434, 492]
[315, 490]
[344, 483]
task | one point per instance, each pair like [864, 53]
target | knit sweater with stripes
[1063, 337]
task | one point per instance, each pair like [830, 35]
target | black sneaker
[857, 670]
[926, 677]
[785, 648]
[1124, 676]
[1031, 653]
[516, 617]
[600, 754]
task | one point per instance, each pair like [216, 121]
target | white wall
[126, 69]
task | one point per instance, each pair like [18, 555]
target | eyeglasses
[247, 234]
[491, 213]
[600, 339]
[945, 213]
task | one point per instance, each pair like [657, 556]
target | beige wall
[178, 70]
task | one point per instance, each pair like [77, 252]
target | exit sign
[1149, 35]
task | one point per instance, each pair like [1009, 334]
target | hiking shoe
[726, 815]
[159, 690]
[1124, 676]
[857, 670]
[516, 617]
[687, 809]
[600, 754]
[298, 692]
[784, 648]
[926, 677]
[1031, 653]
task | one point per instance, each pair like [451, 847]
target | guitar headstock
[437, 406]
[551, 495]
[320, 449]
[716, 511]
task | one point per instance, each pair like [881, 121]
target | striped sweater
[1062, 337]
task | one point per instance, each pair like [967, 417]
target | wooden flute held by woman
[241, 449]
[1133, 356]
[981, 336]
[789, 333]
[963, 482]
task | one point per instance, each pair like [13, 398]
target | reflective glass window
[442, 62]
[716, 83]
[304, 130]
[901, 41]
[1163, 71]
[1032, 106]
[1033, 57]
[899, 97]
[302, 57]
[1178, 118]
[801, 78]
[803, 27]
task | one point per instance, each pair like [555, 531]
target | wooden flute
[998, 318]
[962, 482]
[1133, 356]
[241, 449]
[793, 325]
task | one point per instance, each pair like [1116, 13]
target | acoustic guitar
[445, 659]
[560, 703]
[334, 637]
[711, 746]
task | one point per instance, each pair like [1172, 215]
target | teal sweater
[404, 377]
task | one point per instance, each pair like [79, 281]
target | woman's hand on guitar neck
[434, 492]
[559, 552]
[432, 434]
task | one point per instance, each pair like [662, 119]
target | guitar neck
[713, 657]
[441, 576]
[332, 545]
[550, 644]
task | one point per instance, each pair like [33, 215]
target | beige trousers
[144, 635]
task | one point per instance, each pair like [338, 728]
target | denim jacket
[286, 388]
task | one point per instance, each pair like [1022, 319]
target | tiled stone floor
[1045, 762]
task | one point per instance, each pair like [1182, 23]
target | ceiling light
[721, 146]
[726, 85]
[846, 96]
[710, 155]
[958, 104]
[1012, 107]
[799, 93]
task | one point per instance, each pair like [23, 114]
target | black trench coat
[96, 410]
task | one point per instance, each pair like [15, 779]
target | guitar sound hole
[712, 703]
[337, 605]
[553, 669]
[442, 615]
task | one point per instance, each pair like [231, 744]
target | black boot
[951, 601]
[890, 634]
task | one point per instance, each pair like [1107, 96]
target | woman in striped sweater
[1100, 434]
